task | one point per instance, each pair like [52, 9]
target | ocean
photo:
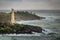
[51, 24]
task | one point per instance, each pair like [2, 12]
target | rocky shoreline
[18, 29]
[21, 15]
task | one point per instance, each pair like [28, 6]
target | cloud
[10, 0]
[30, 4]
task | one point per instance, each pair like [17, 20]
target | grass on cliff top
[10, 28]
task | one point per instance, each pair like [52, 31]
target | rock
[33, 28]
[19, 29]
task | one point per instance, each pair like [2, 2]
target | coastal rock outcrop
[18, 29]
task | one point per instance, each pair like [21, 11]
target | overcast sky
[30, 4]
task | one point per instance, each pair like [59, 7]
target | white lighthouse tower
[12, 17]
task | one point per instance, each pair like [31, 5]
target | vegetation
[18, 28]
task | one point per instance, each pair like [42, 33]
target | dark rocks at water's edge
[18, 29]
[33, 28]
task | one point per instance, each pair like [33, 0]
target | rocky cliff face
[26, 16]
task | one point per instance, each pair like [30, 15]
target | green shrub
[14, 30]
[21, 25]
[1, 28]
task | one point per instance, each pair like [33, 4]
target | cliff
[20, 15]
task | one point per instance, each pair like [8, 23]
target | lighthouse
[12, 17]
